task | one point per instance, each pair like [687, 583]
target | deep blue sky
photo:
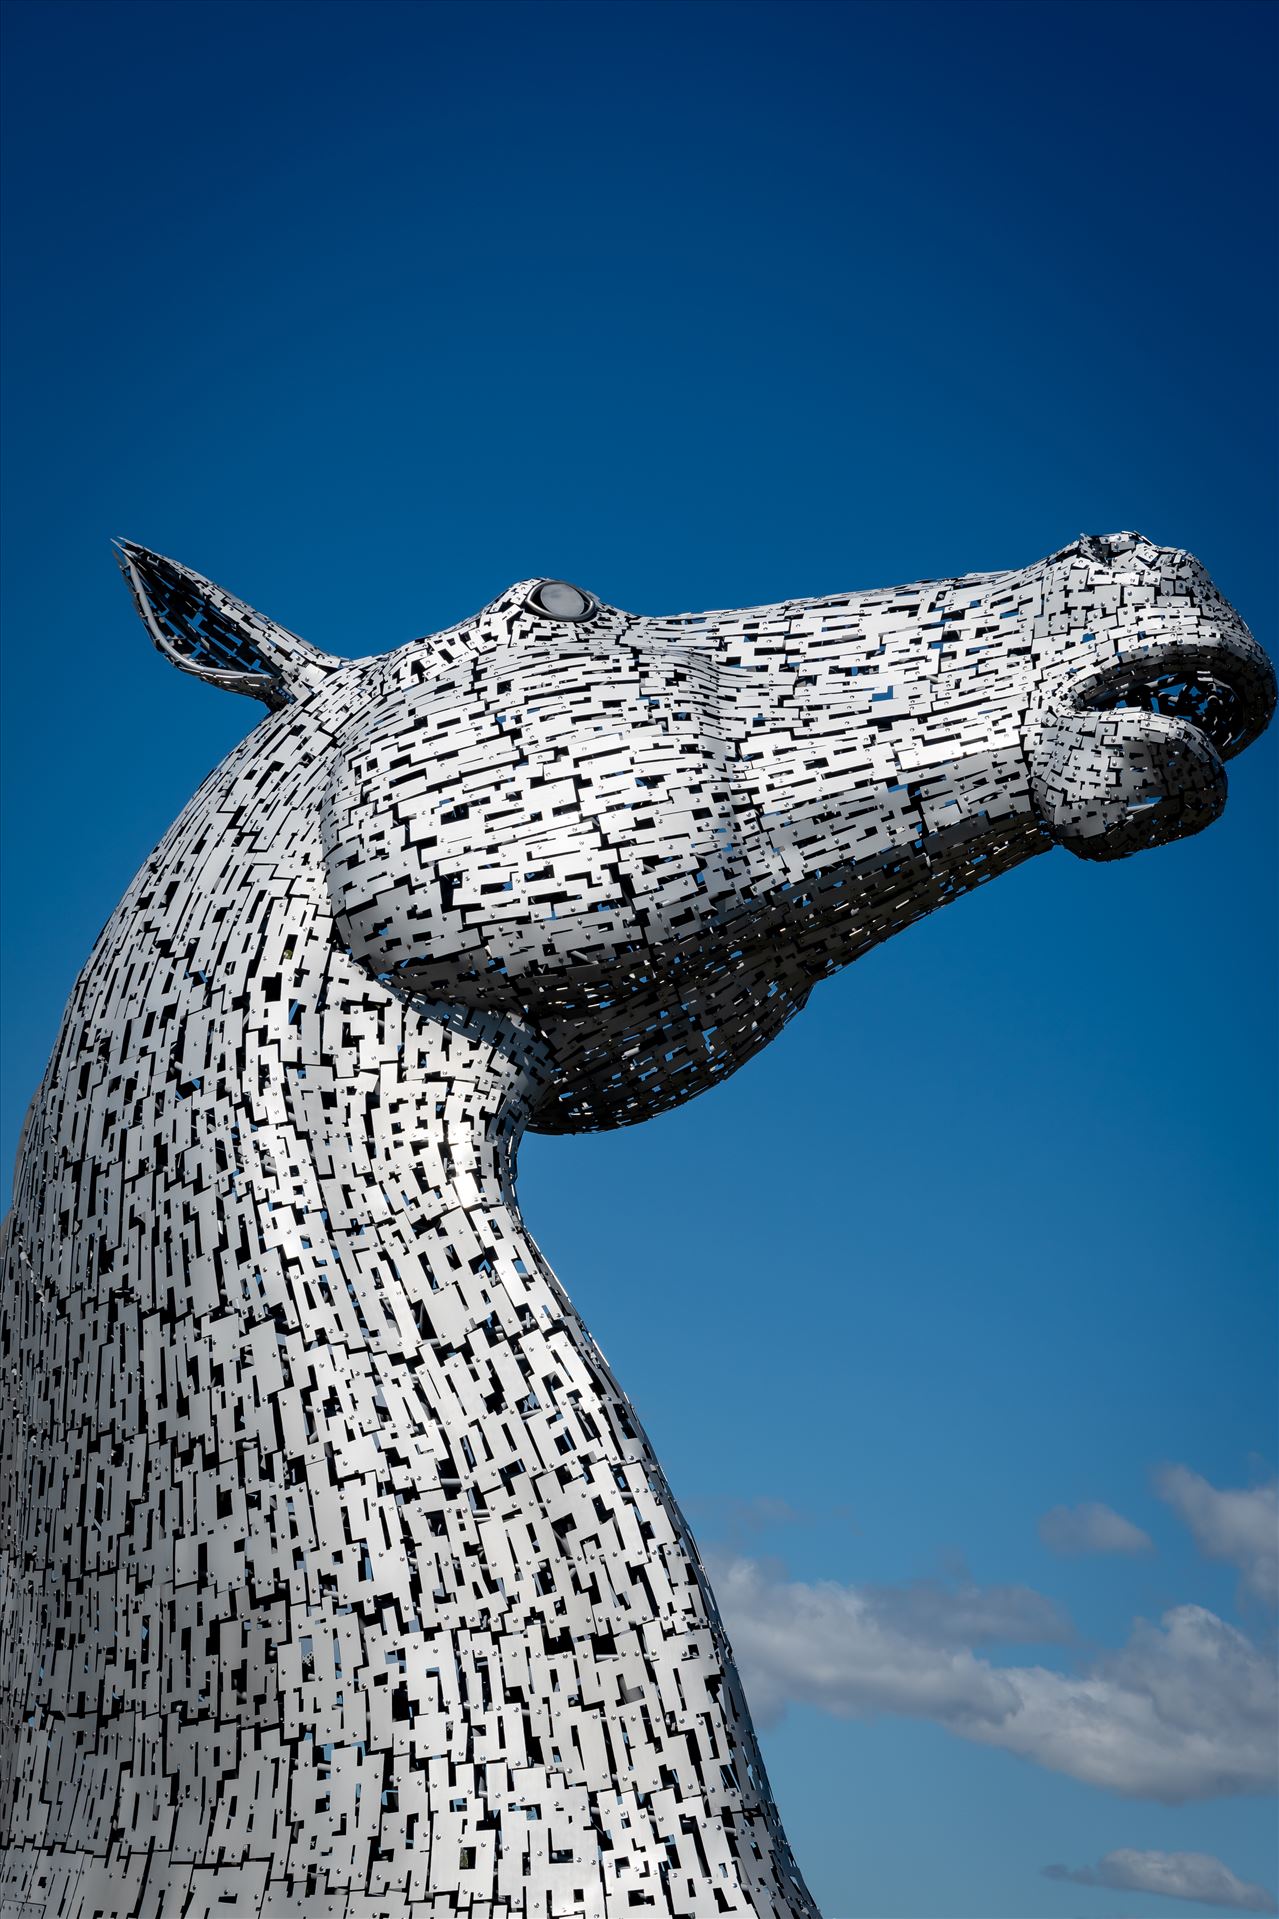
[367, 311]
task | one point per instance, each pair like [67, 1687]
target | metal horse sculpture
[338, 1574]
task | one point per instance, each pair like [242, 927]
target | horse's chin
[1108, 784]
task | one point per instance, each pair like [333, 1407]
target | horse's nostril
[1212, 705]
[1103, 549]
[1226, 689]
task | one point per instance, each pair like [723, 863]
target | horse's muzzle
[1129, 752]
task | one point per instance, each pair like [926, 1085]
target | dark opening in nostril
[1211, 704]
[1225, 687]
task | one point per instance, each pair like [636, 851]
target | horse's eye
[561, 601]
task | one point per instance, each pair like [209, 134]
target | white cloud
[1177, 1875]
[1092, 1528]
[1241, 1527]
[1184, 1711]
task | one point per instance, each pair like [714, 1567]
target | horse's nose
[1186, 654]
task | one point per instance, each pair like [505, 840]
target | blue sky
[367, 311]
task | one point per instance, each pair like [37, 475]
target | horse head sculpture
[650, 837]
[338, 1565]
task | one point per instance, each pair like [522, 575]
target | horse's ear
[205, 631]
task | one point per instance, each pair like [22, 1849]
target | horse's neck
[249, 1143]
[297, 1398]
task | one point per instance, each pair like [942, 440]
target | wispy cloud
[1177, 1875]
[761, 1514]
[965, 1614]
[1185, 1710]
[1240, 1527]
[1091, 1528]
[741, 1523]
